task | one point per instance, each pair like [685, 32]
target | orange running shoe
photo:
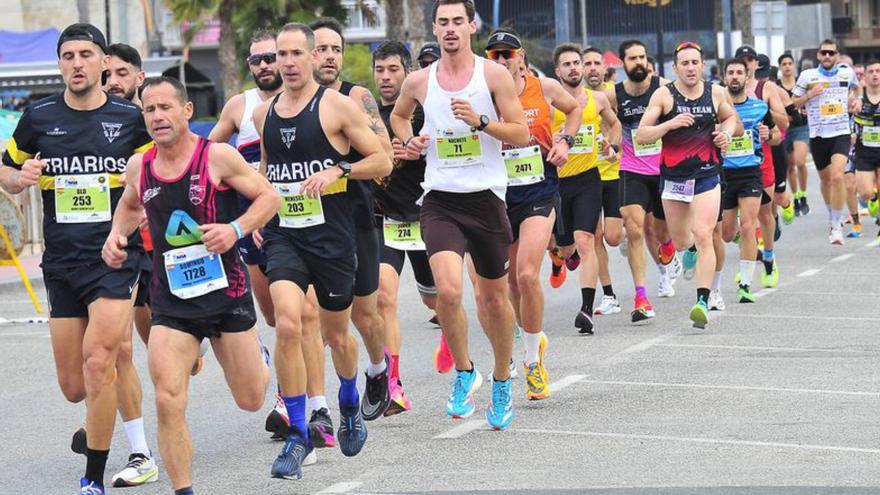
[558, 271]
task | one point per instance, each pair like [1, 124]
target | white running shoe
[664, 287]
[674, 269]
[836, 236]
[140, 469]
[716, 302]
[608, 306]
[312, 458]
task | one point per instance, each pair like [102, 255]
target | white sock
[532, 341]
[840, 215]
[746, 271]
[316, 402]
[134, 429]
[716, 282]
[374, 369]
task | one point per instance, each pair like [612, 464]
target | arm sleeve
[22, 145]
[768, 120]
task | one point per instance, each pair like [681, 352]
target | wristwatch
[484, 122]
[568, 138]
[616, 148]
[346, 169]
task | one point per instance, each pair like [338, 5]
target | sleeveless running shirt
[360, 191]
[297, 147]
[689, 152]
[828, 113]
[460, 159]
[188, 282]
[637, 158]
[746, 150]
[529, 179]
[867, 125]
[248, 138]
[582, 156]
[397, 194]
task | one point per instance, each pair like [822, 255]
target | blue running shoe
[352, 433]
[689, 263]
[90, 488]
[288, 464]
[460, 403]
[500, 412]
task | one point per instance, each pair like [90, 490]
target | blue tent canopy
[28, 46]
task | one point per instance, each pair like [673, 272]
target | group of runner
[464, 162]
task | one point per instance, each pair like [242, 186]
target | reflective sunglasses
[684, 45]
[507, 53]
[828, 53]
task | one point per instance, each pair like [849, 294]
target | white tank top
[248, 140]
[455, 163]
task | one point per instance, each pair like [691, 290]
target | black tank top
[175, 208]
[360, 191]
[631, 108]
[689, 152]
[868, 117]
[297, 147]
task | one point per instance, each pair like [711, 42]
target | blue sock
[296, 411]
[184, 491]
[768, 255]
[348, 392]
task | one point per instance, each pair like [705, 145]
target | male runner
[188, 187]
[471, 107]
[797, 137]
[74, 147]
[610, 228]
[743, 187]
[868, 142]
[306, 132]
[428, 54]
[533, 195]
[330, 46]
[640, 178]
[580, 186]
[829, 93]
[849, 171]
[684, 114]
[396, 199]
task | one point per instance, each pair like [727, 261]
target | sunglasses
[255, 60]
[684, 45]
[506, 53]
[426, 63]
[828, 53]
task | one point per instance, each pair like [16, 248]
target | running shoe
[321, 429]
[607, 306]
[689, 264]
[376, 394]
[699, 315]
[664, 286]
[460, 403]
[788, 213]
[139, 470]
[277, 422]
[737, 238]
[517, 331]
[584, 323]
[745, 294]
[537, 386]
[87, 488]
[643, 310]
[855, 232]
[500, 411]
[770, 280]
[874, 207]
[573, 261]
[805, 208]
[352, 433]
[674, 269]
[399, 401]
[443, 361]
[716, 302]
[797, 204]
[558, 272]
[512, 368]
[288, 465]
[78, 442]
[777, 230]
[836, 236]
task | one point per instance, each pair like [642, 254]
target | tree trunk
[226, 50]
[743, 20]
[416, 35]
[82, 9]
[395, 20]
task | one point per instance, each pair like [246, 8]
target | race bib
[678, 191]
[831, 109]
[403, 236]
[584, 141]
[82, 198]
[298, 211]
[741, 146]
[456, 150]
[650, 149]
[192, 271]
[871, 136]
[524, 166]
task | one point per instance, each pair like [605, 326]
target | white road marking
[757, 348]
[739, 388]
[641, 346]
[341, 487]
[565, 382]
[835, 294]
[714, 441]
[25, 334]
[809, 273]
[842, 257]
[20, 321]
[874, 243]
[804, 317]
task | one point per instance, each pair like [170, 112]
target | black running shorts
[418, 260]
[333, 279]
[366, 278]
[823, 149]
[239, 319]
[71, 290]
[780, 168]
[581, 205]
[517, 214]
[740, 183]
[611, 198]
[641, 190]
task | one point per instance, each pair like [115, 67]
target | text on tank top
[641, 159]
[689, 152]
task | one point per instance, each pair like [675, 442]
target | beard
[272, 85]
[637, 74]
[736, 90]
[572, 83]
[326, 79]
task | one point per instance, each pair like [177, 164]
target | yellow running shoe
[537, 387]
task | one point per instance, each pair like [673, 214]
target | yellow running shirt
[582, 156]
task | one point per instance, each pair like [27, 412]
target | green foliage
[358, 66]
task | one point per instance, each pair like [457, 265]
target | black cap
[763, 69]
[82, 32]
[503, 38]
[429, 48]
[746, 51]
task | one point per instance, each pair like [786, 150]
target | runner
[868, 142]
[470, 107]
[311, 240]
[533, 195]
[829, 92]
[428, 54]
[610, 228]
[90, 305]
[365, 310]
[639, 180]
[684, 114]
[849, 171]
[743, 188]
[797, 137]
[188, 187]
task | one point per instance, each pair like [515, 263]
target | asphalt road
[778, 397]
